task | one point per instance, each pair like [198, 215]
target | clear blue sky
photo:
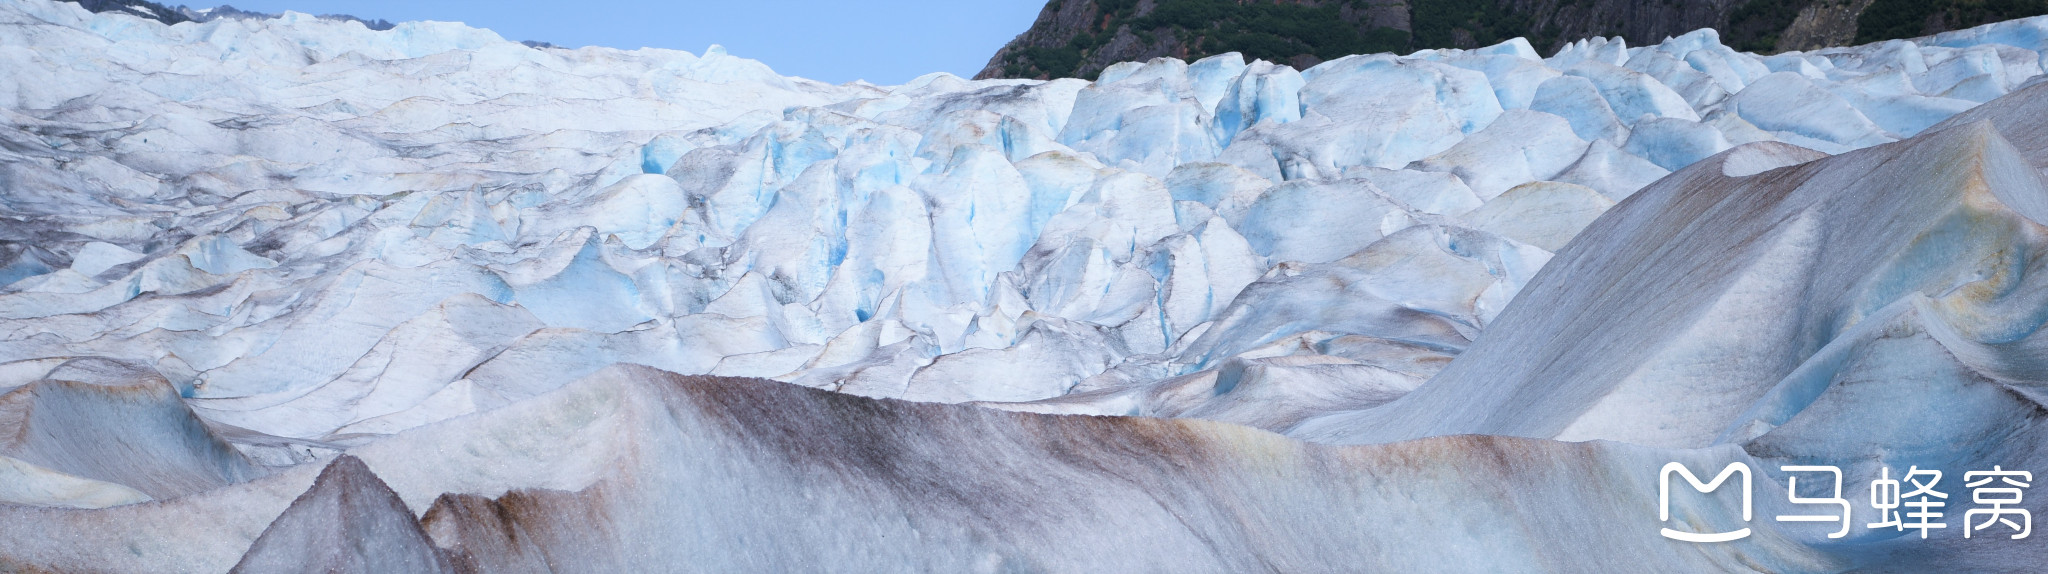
[881, 41]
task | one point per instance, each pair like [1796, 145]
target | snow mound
[791, 471]
[349, 521]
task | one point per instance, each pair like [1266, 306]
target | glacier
[294, 291]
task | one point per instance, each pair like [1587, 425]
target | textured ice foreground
[230, 252]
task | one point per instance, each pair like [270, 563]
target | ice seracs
[232, 251]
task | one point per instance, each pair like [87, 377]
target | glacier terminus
[293, 294]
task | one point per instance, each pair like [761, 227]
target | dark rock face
[181, 13]
[349, 521]
[139, 9]
[1078, 38]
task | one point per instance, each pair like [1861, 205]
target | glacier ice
[278, 291]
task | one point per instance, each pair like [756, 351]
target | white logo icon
[1664, 500]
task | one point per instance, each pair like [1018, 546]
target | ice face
[243, 247]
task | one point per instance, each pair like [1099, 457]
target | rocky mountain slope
[1079, 38]
[180, 13]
